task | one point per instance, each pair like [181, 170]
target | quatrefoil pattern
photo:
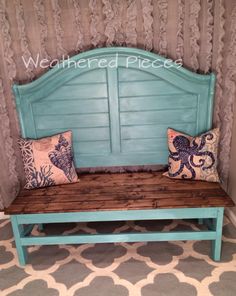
[135, 269]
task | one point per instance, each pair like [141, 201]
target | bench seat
[119, 197]
[120, 191]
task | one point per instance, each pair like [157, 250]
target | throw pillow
[193, 158]
[48, 161]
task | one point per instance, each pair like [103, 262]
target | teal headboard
[118, 102]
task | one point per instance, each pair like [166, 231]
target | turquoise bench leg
[200, 221]
[18, 231]
[216, 244]
[40, 227]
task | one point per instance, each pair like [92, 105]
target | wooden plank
[154, 130]
[80, 134]
[92, 147]
[68, 106]
[137, 180]
[119, 237]
[18, 231]
[68, 121]
[90, 206]
[109, 195]
[158, 102]
[158, 117]
[147, 196]
[121, 192]
[116, 191]
[125, 75]
[122, 159]
[156, 214]
[147, 88]
[140, 145]
[114, 110]
[98, 90]
[218, 227]
[114, 188]
[89, 77]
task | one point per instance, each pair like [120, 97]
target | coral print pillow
[193, 158]
[48, 161]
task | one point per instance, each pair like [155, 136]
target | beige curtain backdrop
[201, 32]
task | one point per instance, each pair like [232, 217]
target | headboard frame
[118, 102]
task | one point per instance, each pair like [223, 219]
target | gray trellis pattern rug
[147, 269]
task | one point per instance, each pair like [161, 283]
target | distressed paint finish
[216, 215]
[18, 231]
[217, 227]
[100, 216]
[118, 116]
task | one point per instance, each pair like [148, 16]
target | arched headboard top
[118, 102]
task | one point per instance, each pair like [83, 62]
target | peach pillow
[48, 161]
[193, 158]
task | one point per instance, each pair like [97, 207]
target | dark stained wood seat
[120, 191]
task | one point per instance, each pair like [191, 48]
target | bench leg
[200, 221]
[40, 227]
[18, 231]
[216, 244]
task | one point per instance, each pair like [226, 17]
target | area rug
[121, 269]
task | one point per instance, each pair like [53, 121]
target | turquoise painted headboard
[119, 103]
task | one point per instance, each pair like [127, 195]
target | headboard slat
[117, 108]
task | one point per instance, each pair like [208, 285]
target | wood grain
[126, 191]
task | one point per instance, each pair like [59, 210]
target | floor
[176, 268]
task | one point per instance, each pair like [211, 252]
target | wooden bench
[119, 116]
